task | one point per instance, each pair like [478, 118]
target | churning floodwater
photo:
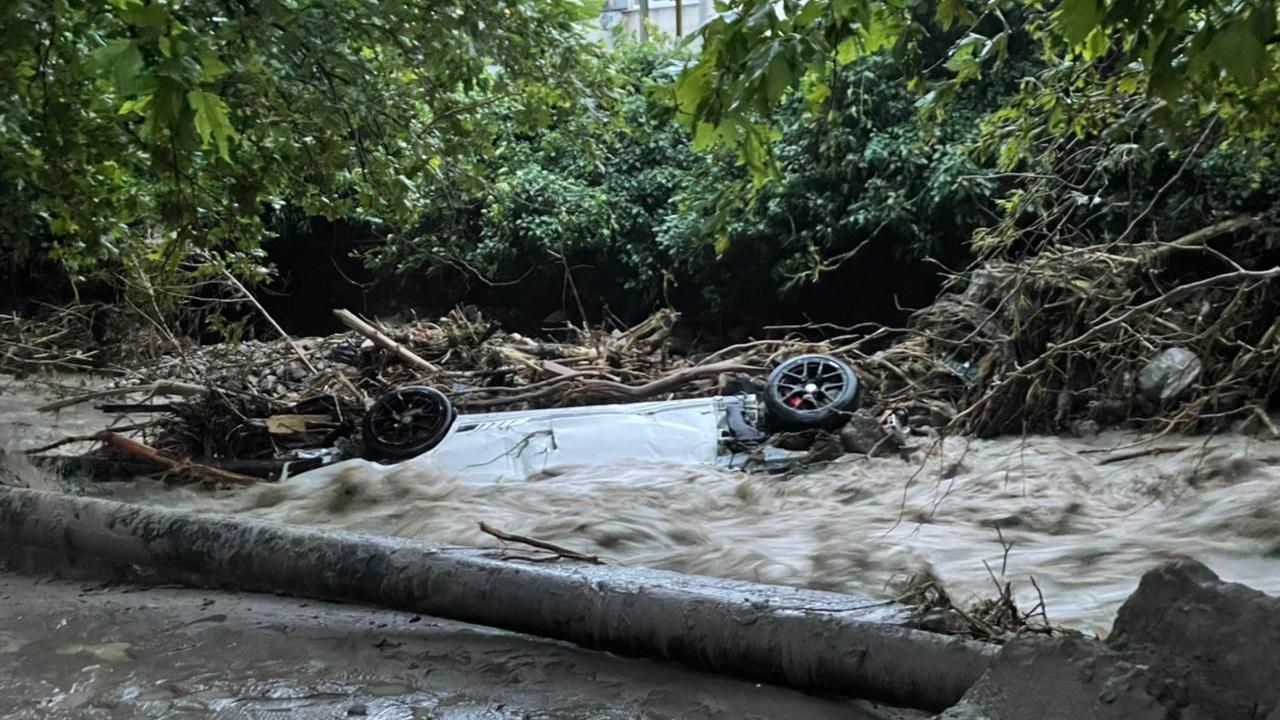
[1086, 531]
[1082, 516]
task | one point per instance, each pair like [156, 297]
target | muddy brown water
[1075, 514]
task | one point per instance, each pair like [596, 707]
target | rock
[1084, 428]
[947, 622]
[1185, 646]
[294, 371]
[1067, 678]
[864, 434]
[1222, 638]
[1169, 374]
[964, 711]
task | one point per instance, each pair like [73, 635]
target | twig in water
[1142, 453]
[540, 544]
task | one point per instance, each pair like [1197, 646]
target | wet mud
[69, 650]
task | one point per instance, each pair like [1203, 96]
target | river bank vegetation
[1105, 169]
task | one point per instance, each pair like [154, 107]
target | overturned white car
[418, 425]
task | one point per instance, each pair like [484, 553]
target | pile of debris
[249, 407]
[59, 338]
[1178, 335]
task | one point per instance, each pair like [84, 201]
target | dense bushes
[614, 192]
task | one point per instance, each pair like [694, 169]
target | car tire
[405, 423]
[811, 391]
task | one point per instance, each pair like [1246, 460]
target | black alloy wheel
[406, 422]
[811, 391]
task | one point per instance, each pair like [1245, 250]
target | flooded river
[1084, 517]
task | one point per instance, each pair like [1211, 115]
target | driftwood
[92, 437]
[381, 339]
[136, 408]
[540, 544]
[135, 449]
[101, 467]
[293, 345]
[566, 385]
[297, 349]
[665, 384]
[156, 388]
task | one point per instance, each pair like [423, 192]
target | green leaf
[589, 9]
[212, 67]
[951, 10]
[122, 60]
[778, 77]
[964, 60]
[1077, 18]
[1097, 44]
[879, 35]
[137, 105]
[722, 245]
[147, 16]
[818, 94]
[212, 121]
[809, 13]
[1238, 50]
[848, 50]
[705, 135]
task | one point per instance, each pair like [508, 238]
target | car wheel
[811, 391]
[405, 423]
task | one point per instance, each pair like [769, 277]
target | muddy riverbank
[69, 650]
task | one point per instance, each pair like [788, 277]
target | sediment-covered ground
[70, 650]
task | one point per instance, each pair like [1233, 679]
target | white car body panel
[516, 446]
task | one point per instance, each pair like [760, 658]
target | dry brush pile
[1069, 335]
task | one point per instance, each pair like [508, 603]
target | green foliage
[870, 169]
[150, 128]
[591, 188]
[1202, 58]
[615, 186]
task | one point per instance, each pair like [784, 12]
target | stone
[1068, 678]
[864, 434]
[947, 622]
[1169, 375]
[1222, 638]
[964, 711]
[1084, 428]
[1185, 646]
[294, 371]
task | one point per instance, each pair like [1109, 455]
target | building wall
[662, 15]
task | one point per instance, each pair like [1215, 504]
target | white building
[662, 15]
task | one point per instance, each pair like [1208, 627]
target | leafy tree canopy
[1197, 58]
[155, 127]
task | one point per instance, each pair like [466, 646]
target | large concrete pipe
[804, 638]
